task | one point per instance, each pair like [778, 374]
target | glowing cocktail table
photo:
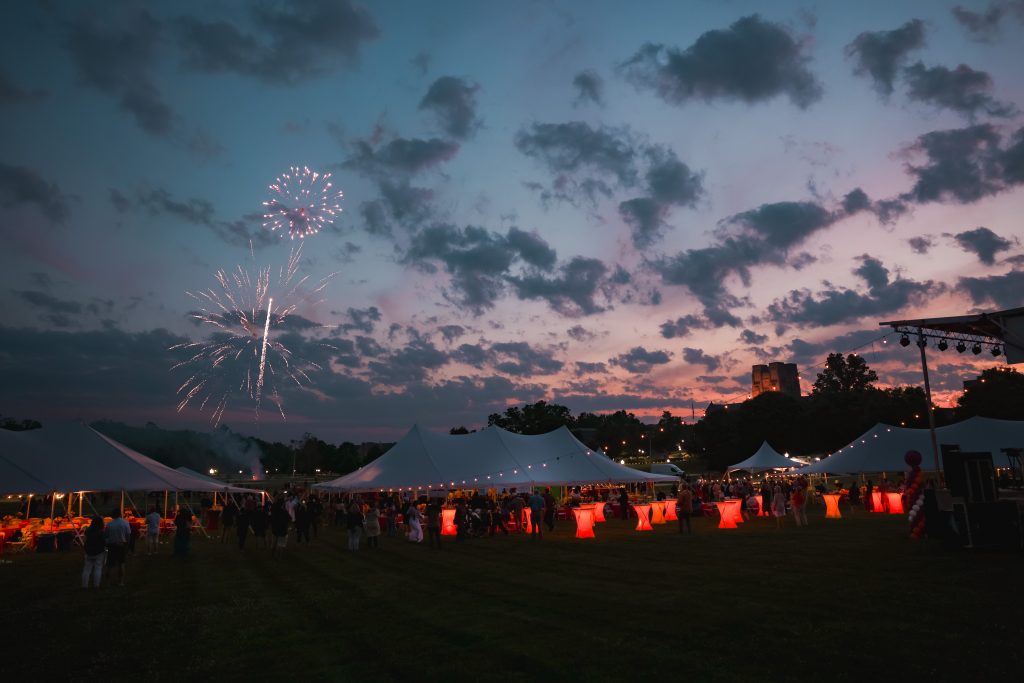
[584, 521]
[448, 522]
[761, 512]
[831, 505]
[643, 517]
[528, 516]
[876, 502]
[599, 512]
[895, 503]
[727, 511]
[658, 512]
[670, 510]
[738, 510]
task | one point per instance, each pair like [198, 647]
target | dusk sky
[608, 205]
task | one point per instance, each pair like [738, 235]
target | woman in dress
[778, 505]
[412, 518]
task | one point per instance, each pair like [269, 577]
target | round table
[643, 517]
[670, 510]
[584, 515]
[448, 522]
[728, 511]
[895, 501]
[832, 505]
[876, 502]
[658, 512]
[599, 512]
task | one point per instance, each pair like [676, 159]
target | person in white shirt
[118, 532]
[152, 531]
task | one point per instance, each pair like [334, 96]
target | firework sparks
[243, 356]
[302, 202]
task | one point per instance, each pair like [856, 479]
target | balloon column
[914, 496]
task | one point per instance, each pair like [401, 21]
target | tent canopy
[491, 457]
[72, 456]
[881, 448]
[766, 458]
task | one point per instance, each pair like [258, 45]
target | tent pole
[122, 502]
[53, 504]
[80, 495]
[931, 412]
[165, 504]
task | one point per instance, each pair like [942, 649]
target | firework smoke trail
[302, 201]
[242, 357]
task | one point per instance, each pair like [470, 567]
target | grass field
[832, 602]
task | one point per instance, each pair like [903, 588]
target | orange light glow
[599, 512]
[658, 512]
[761, 512]
[876, 502]
[527, 515]
[448, 522]
[895, 503]
[727, 511]
[670, 510]
[643, 517]
[584, 521]
[832, 505]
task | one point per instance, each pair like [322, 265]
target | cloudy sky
[609, 205]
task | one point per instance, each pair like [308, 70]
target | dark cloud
[61, 313]
[645, 218]
[584, 368]
[451, 332]
[12, 93]
[413, 362]
[118, 57]
[984, 26]
[363, 319]
[571, 292]
[20, 186]
[291, 42]
[984, 243]
[836, 305]
[921, 244]
[369, 347]
[453, 101]
[580, 333]
[422, 62]
[807, 353]
[346, 253]
[698, 357]
[519, 358]
[406, 156]
[160, 201]
[855, 201]
[962, 90]
[1003, 291]
[752, 338]
[684, 326]
[589, 88]
[639, 360]
[531, 248]
[880, 54]
[119, 201]
[243, 232]
[670, 183]
[753, 61]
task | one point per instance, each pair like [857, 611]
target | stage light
[996, 350]
[921, 343]
[976, 349]
[943, 345]
[904, 340]
[961, 347]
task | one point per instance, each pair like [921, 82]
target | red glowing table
[643, 517]
[738, 511]
[670, 510]
[584, 521]
[831, 505]
[448, 522]
[528, 515]
[658, 512]
[761, 511]
[895, 503]
[728, 510]
[876, 501]
[599, 512]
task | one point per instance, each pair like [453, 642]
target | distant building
[781, 377]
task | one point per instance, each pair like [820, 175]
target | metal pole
[122, 502]
[928, 399]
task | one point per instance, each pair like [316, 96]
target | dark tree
[459, 430]
[844, 374]
[537, 418]
[998, 392]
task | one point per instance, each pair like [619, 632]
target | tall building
[781, 377]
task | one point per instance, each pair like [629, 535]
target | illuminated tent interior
[881, 448]
[491, 457]
[766, 458]
[74, 457]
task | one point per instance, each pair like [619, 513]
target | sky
[606, 205]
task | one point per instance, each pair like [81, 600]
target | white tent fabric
[13, 479]
[75, 457]
[491, 457]
[881, 448]
[766, 458]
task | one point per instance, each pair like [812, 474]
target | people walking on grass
[518, 511]
[242, 524]
[549, 508]
[152, 531]
[372, 528]
[778, 505]
[496, 518]
[412, 518]
[314, 509]
[461, 521]
[354, 522]
[95, 552]
[434, 523]
[798, 501]
[118, 532]
[279, 521]
[302, 522]
[227, 518]
[684, 506]
[182, 532]
[536, 504]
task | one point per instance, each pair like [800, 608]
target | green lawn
[831, 602]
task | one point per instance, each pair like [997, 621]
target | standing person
[518, 505]
[778, 505]
[260, 520]
[242, 525]
[372, 528]
[684, 506]
[183, 532]
[536, 503]
[302, 522]
[496, 516]
[227, 517]
[152, 530]
[798, 500]
[853, 497]
[279, 521]
[868, 498]
[354, 521]
[314, 508]
[434, 523]
[624, 504]
[412, 518]
[549, 508]
[95, 547]
[117, 535]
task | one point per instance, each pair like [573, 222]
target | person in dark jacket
[279, 520]
[302, 522]
[227, 517]
[355, 523]
[242, 526]
[549, 508]
[623, 503]
[183, 532]
[95, 549]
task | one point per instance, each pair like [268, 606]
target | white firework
[302, 202]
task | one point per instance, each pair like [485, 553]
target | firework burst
[302, 202]
[243, 356]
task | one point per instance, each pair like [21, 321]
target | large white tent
[881, 448]
[491, 457]
[766, 458]
[74, 457]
